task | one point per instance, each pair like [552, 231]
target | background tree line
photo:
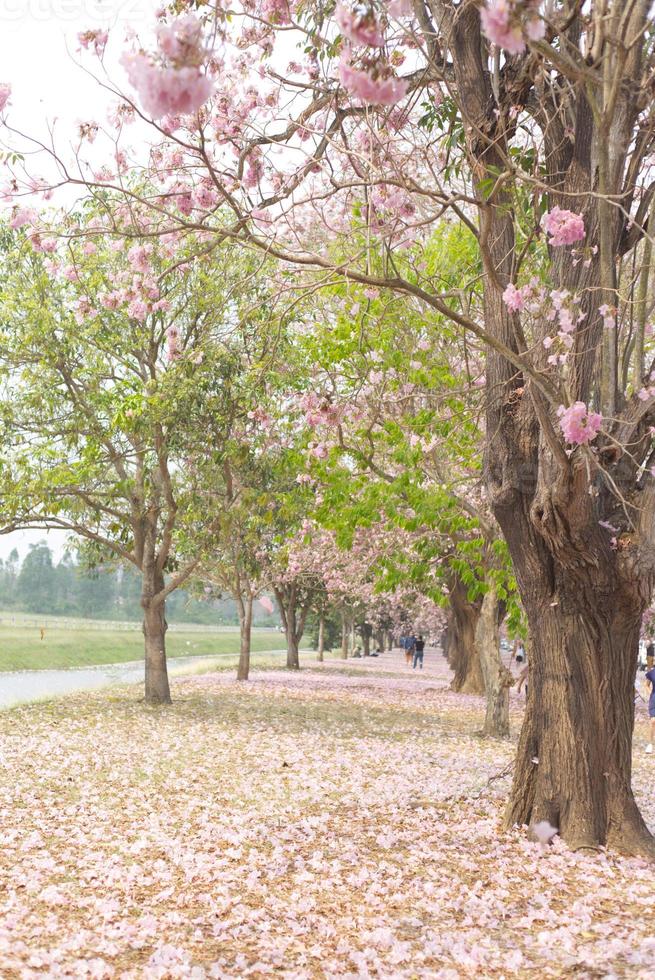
[38, 584]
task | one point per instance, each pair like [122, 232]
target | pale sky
[38, 48]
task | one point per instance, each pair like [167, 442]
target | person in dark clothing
[650, 655]
[419, 647]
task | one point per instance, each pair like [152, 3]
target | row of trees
[39, 585]
[447, 206]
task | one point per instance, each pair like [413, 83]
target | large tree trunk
[157, 690]
[244, 608]
[344, 637]
[583, 600]
[321, 637]
[293, 651]
[463, 655]
[292, 622]
[497, 678]
[575, 751]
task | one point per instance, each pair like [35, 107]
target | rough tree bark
[157, 689]
[463, 655]
[345, 631]
[583, 599]
[497, 678]
[293, 616]
[321, 638]
[244, 610]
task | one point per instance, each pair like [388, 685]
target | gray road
[20, 686]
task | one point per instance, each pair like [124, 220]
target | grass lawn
[304, 825]
[21, 647]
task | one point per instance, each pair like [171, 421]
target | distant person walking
[419, 647]
[410, 646]
[650, 677]
[520, 653]
[650, 655]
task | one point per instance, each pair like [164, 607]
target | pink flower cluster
[373, 85]
[531, 296]
[21, 217]
[360, 28]
[564, 310]
[563, 227]
[508, 22]
[514, 298]
[5, 92]
[319, 411]
[578, 424]
[95, 39]
[173, 342]
[172, 83]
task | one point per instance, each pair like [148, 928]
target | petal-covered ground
[338, 822]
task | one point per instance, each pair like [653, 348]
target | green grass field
[21, 646]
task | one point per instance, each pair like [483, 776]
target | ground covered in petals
[338, 822]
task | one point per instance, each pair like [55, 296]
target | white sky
[38, 49]
[38, 45]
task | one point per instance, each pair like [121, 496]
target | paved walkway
[22, 686]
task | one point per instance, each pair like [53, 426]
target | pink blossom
[564, 227]
[70, 272]
[167, 91]
[514, 298]
[173, 345]
[266, 604]
[544, 831]
[205, 197]
[320, 450]
[372, 89]
[43, 244]
[499, 26]
[20, 217]
[578, 424]
[111, 301]
[180, 41]
[276, 11]
[139, 257]
[5, 92]
[138, 309]
[507, 22]
[359, 28]
[94, 38]
[400, 8]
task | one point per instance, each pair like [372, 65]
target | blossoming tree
[123, 393]
[534, 131]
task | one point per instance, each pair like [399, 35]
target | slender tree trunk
[641, 311]
[389, 640]
[157, 690]
[463, 655]
[497, 678]
[245, 627]
[293, 651]
[344, 637]
[366, 641]
[321, 637]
